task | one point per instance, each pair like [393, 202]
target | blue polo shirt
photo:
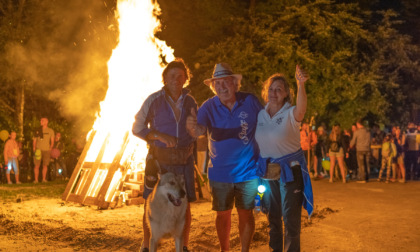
[233, 149]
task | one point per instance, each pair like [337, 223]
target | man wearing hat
[230, 119]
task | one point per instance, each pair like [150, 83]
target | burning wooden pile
[104, 184]
[110, 170]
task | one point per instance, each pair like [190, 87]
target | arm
[193, 128]
[34, 143]
[301, 99]
[52, 141]
[6, 146]
[353, 140]
[142, 130]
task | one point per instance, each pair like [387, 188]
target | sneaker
[379, 180]
[361, 181]
[18, 182]
[387, 181]
[10, 182]
[44, 181]
[331, 181]
[402, 181]
[36, 182]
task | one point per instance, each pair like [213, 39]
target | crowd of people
[44, 159]
[249, 144]
[363, 154]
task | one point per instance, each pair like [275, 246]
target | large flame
[135, 71]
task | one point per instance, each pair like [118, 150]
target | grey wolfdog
[166, 209]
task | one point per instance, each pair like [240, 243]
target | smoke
[62, 55]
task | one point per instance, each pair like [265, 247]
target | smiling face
[277, 93]
[174, 80]
[225, 89]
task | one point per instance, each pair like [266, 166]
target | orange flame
[135, 71]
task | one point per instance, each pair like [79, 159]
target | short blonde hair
[273, 78]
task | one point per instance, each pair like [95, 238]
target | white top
[280, 135]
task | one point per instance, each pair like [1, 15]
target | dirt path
[347, 217]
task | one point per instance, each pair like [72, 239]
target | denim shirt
[286, 174]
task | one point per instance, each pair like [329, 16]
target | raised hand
[300, 75]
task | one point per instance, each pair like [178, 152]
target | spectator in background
[57, 156]
[337, 151]
[350, 158]
[398, 162]
[11, 153]
[389, 151]
[308, 141]
[24, 165]
[361, 140]
[320, 151]
[412, 151]
[43, 142]
[377, 139]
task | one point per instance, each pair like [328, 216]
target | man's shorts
[187, 171]
[339, 153]
[45, 158]
[225, 194]
[12, 164]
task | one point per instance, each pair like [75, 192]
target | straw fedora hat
[222, 70]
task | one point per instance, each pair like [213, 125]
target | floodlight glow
[60, 171]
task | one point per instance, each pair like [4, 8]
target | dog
[166, 209]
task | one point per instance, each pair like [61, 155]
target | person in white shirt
[278, 138]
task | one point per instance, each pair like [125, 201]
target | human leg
[342, 168]
[223, 225]
[15, 166]
[361, 165]
[274, 216]
[332, 165]
[222, 202]
[246, 227]
[37, 164]
[383, 166]
[9, 167]
[245, 193]
[292, 198]
[187, 226]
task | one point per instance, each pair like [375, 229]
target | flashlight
[60, 171]
[261, 189]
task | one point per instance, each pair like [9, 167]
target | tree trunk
[20, 106]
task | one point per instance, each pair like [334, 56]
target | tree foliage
[359, 68]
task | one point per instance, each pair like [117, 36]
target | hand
[170, 141]
[191, 123]
[300, 75]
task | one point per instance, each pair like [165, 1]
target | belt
[172, 156]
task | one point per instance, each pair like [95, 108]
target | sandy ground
[348, 217]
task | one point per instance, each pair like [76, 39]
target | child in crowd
[389, 151]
